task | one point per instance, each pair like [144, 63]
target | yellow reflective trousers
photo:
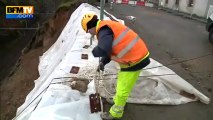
[125, 83]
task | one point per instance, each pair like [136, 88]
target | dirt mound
[15, 88]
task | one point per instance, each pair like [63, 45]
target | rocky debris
[79, 84]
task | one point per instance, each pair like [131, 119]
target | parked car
[209, 27]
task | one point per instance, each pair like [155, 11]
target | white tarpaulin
[50, 99]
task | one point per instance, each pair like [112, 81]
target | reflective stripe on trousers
[116, 111]
[126, 81]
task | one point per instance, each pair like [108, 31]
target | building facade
[195, 7]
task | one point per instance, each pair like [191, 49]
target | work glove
[103, 62]
[100, 67]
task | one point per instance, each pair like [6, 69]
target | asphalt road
[171, 39]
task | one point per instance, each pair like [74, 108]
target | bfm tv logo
[19, 12]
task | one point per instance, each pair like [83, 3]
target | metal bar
[99, 74]
[19, 28]
[102, 9]
[145, 75]
[45, 13]
[178, 62]
[114, 78]
[91, 39]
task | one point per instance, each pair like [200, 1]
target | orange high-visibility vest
[127, 46]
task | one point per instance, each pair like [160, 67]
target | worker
[119, 43]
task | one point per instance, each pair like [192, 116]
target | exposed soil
[15, 88]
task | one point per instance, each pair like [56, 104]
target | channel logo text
[19, 12]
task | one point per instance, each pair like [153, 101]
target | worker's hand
[100, 67]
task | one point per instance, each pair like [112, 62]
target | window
[190, 3]
[177, 2]
[167, 1]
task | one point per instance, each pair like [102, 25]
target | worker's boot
[108, 116]
[110, 101]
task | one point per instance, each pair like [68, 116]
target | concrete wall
[170, 4]
[199, 8]
[208, 5]
[154, 1]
